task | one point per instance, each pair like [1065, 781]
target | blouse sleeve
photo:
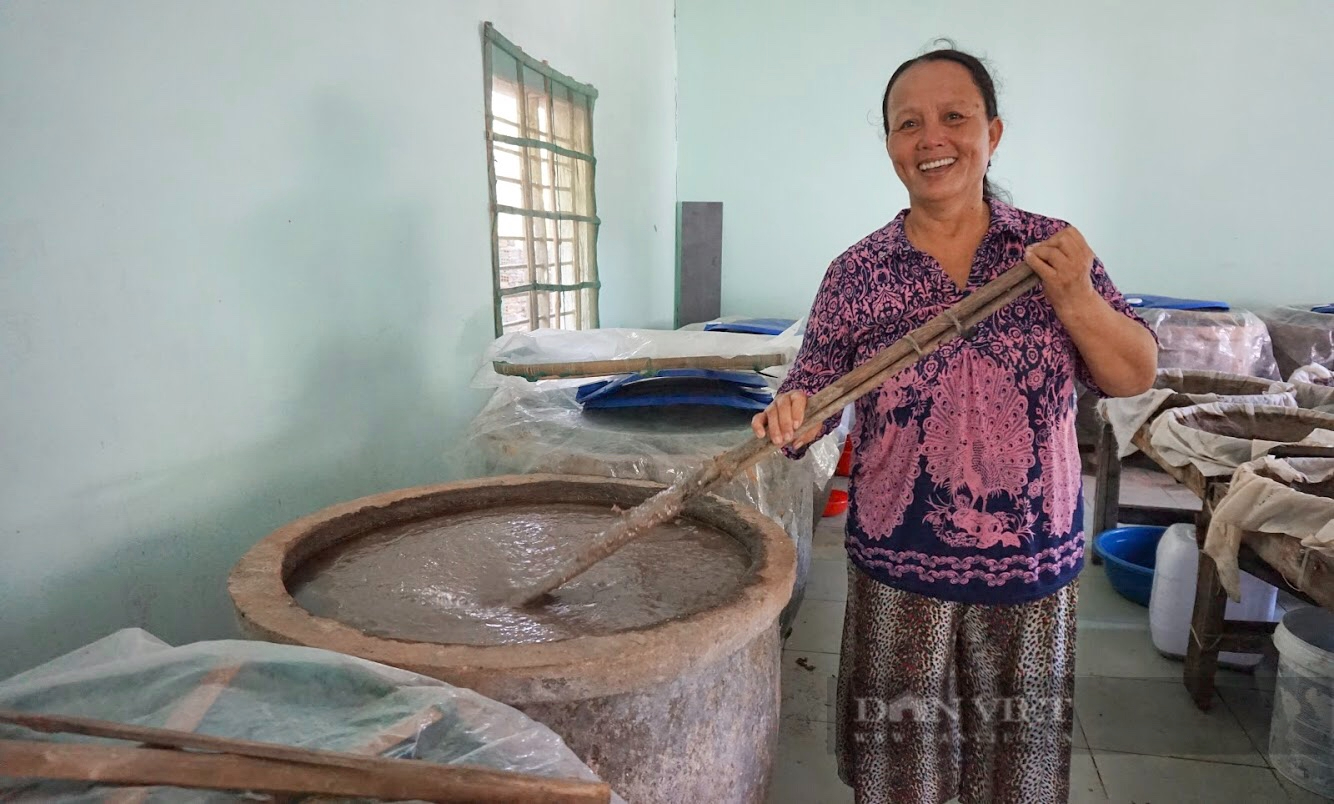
[827, 349]
[1103, 284]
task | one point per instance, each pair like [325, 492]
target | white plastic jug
[1172, 600]
[1301, 733]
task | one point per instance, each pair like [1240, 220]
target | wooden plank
[1246, 636]
[1249, 561]
[1307, 571]
[1206, 630]
[397, 780]
[1107, 485]
[1280, 561]
[1154, 515]
[186, 715]
[640, 365]
[447, 777]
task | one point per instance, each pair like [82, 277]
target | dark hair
[981, 79]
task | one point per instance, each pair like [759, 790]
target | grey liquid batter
[431, 581]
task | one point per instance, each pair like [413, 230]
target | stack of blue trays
[729, 389]
[1170, 303]
[752, 326]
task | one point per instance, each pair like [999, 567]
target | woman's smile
[936, 166]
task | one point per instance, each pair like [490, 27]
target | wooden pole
[635, 365]
[667, 504]
[1107, 486]
[273, 767]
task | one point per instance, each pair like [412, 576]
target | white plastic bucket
[1172, 601]
[1301, 734]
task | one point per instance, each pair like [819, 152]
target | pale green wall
[1189, 140]
[244, 273]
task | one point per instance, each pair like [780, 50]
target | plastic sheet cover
[1218, 437]
[529, 427]
[541, 428]
[1301, 337]
[284, 694]
[1234, 342]
[1291, 496]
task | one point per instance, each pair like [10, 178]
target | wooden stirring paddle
[669, 503]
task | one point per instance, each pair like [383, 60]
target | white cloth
[1313, 396]
[1180, 442]
[1261, 498]
[1314, 374]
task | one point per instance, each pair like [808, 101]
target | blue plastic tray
[604, 387]
[634, 391]
[1170, 303]
[753, 326]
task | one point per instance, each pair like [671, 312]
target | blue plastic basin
[1129, 555]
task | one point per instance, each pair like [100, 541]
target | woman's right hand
[781, 420]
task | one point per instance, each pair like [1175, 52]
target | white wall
[244, 273]
[1188, 140]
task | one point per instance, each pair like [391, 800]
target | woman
[965, 528]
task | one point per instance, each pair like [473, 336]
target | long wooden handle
[416, 779]
[136, 767]
[667, 504]
[641, 365]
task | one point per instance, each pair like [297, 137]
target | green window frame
[544, 222]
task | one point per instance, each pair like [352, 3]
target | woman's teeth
[939, 163]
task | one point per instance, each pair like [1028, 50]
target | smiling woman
[965, 524]
[964, 105]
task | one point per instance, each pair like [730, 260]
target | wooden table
[1273, 558]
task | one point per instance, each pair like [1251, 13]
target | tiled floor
[1138, 736]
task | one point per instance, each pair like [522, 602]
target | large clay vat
[682, 711]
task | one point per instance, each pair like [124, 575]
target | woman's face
[940, 140]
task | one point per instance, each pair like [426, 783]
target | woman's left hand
[1065, 265]
[1119, 352]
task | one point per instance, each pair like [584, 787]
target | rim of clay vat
[565, 670]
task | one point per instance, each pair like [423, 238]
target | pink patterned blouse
[966, 483]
